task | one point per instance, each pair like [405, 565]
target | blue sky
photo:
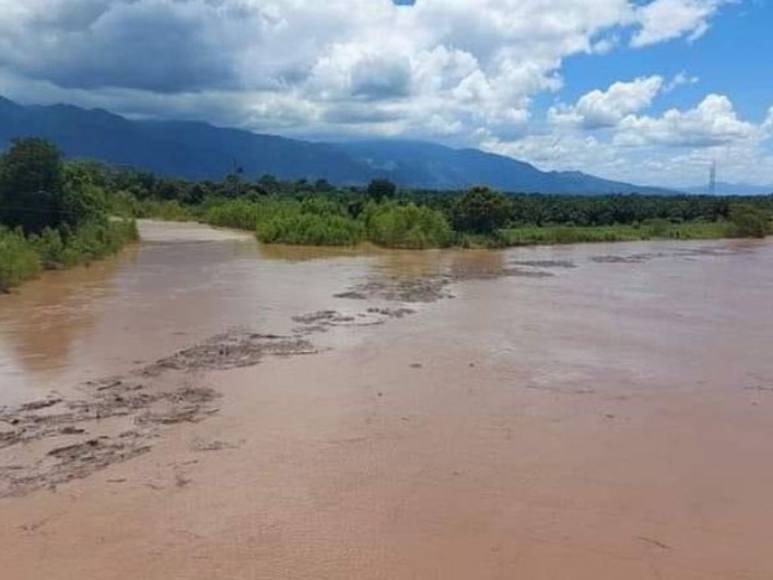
[647, 91]
[734, 58]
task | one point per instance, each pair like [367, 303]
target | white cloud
[672, 149]
[464, 71]
[458, 65]
[599, 109]
[663, 20]
[680, 79]
[713, 122]
[767, 126]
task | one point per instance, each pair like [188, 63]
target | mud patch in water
[544, 263]
[410, 290]
[234, 349]
[431, 288]
[324, 320]
[52, 441]
[630, 259]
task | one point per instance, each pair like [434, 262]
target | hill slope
[196, 150]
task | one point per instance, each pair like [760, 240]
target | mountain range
[198, 150]
[723, 188]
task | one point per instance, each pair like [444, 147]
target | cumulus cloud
[599, 109]
[663, 20]
[463, 71]
[712, 122]
[434, 65]
[674, 148]
[768, 124]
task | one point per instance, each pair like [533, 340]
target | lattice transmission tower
[713, 178]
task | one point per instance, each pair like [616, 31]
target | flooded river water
[594, 411]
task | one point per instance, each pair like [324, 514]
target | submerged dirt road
[229, 411]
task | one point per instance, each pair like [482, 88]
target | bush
[407, 226]
[31, 181]
[171, 211]
[749, 222]
[381, 189]
[310, 229]
[18, 259]
[481, 211]
[66, 247]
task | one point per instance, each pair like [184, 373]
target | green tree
[481, 211]
[31, 183]
[381, 189]
[82, 198]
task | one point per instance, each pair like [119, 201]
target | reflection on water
[186, 282]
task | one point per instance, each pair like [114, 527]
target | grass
[551, 235]
[18, 259]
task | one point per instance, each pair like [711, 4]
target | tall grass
[172, 211]
[91, 241]
[534, 235]
[407, 226]
[18, 259]
[322, 221]
[22, 258]
[313, 222]
[311, 230]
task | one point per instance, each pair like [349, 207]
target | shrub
[749, 222]
[310, 229]
[31, 180]
[18, 259]
[407, 226]
[381, 189]
[481, 211]
[171, 211]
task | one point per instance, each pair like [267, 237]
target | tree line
[53, 214]
[61, 210]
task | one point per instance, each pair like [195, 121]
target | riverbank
[250, 216]
[553, 235]
[562, 411]
[22, 258]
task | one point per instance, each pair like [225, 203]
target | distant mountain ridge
[197, 150]
[723, 188]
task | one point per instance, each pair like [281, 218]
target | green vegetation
[407, 226]
[749, 222]
[327, 221]
[381, 189]
[18, 259]
[481, 211]
[281, 211]
[54, 214]
[313, 222]
[533, 235]
[62, 208]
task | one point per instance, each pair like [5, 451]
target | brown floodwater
[593, 411]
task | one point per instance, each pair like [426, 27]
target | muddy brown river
[202, 407]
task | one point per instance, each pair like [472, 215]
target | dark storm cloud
[160, 47]
[381, 79]
[358, 113]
